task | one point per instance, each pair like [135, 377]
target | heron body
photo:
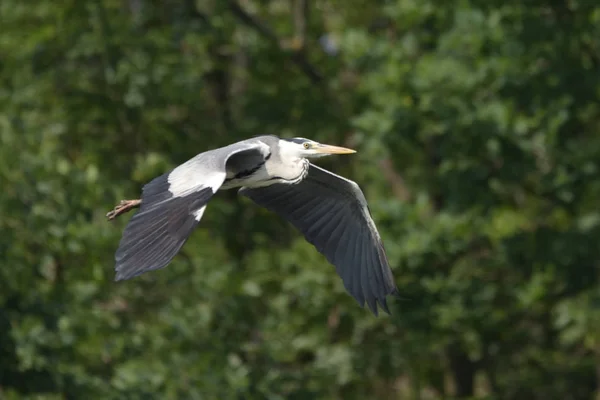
[329, 210]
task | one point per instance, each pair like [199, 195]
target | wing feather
[356, 276]
[366, 277]
[332, 214]
[334, 241]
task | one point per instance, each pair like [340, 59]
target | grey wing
[172, 206]
[332, 214]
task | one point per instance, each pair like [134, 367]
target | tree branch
[298, 56]
[300, 24]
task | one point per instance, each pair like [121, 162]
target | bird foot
[123, 207]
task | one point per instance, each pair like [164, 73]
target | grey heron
[329, 210]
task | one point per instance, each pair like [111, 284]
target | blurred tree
[477, 128]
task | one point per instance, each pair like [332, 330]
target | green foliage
[477, 129]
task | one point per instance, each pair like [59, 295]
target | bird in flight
[329, 210]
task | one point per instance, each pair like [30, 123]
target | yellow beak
[327, 149]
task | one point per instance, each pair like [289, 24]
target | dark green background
[477, 130]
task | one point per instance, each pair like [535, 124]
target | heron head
[307, 148]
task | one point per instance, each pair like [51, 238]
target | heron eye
[306, 145]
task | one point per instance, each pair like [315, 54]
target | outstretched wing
[172, 206]
[332, 213]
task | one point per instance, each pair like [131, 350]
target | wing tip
[375, 303]
[383, 304]
[122, 275]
